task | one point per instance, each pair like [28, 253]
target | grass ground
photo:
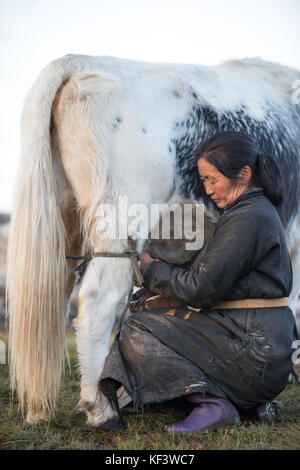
[69, 431]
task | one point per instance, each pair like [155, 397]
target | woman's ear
[245, 174]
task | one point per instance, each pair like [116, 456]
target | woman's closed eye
[205, 180]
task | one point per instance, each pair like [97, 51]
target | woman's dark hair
[230, 151]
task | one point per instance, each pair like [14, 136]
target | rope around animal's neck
[128, 253]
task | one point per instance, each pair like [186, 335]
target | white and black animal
[95, 129]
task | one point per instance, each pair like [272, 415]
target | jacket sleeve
[228, 257]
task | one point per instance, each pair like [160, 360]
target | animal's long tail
[36, 257]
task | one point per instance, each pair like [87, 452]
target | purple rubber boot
[211, 413]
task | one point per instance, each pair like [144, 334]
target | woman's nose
[208, 188]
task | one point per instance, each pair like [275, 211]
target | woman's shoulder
[252, 212]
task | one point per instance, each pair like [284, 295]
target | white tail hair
[36, 275]
[36, 257]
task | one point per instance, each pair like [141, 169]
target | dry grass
[69, 431]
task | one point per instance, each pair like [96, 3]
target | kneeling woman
[231, 352]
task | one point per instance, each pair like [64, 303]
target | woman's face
[219, 188]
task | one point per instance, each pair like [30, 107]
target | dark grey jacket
[242, 354]
[246, 256]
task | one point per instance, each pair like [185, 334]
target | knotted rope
[130, 253]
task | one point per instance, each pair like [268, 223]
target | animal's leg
[294, 248]
[103, 295]
[70, 216]
[293, 302]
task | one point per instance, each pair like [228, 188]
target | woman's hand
[138, 299]
[145, 259]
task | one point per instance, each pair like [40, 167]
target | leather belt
[253, 303]
[159, 301]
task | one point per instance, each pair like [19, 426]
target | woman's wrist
[145, 259]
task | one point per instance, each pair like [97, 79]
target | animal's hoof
[114, 424]
[84, 406]
[36, 418]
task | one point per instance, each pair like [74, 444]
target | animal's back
[171, 108]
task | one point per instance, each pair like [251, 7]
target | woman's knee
[132, 330]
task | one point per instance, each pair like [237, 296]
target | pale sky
[34, 32]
